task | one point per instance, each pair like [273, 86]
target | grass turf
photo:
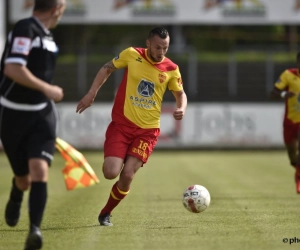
[254, 205]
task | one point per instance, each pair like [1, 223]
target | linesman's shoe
[34, 239]
[13, 206]
[12, 213]
[104, 220]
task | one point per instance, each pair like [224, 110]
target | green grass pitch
[254, 205]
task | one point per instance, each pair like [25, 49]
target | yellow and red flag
[77, 171]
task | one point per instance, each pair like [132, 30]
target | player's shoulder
[132, 51]
[26, 22]
[293, 71]
[138, 50]
[168, 64]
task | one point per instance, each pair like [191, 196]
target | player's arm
[181, 104]
[280, 89]
[277, 93]
[15, 62]
[21, 75]
[99, 80]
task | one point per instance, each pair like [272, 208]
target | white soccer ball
[196, 198]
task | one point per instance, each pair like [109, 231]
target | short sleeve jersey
[289, 80]
[139, 97]
[32, 45]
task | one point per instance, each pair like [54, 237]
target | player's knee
[110, 170]
[127, 176]
[23, 184]
[109, 173]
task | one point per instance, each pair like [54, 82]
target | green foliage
[254, 205]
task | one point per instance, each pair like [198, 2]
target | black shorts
[28, 134]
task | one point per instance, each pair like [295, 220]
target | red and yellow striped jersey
[290, 81]
[139, 97]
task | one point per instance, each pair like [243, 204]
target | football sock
[37, 202]
[16, 194]
[116, 195]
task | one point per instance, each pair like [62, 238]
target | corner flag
[77, 171]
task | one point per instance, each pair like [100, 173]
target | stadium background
[230, 54]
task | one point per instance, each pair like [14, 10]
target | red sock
[116, 195]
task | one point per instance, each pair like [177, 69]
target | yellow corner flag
[77, 171]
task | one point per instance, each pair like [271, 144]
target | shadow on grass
[163, 228]
[50, 228]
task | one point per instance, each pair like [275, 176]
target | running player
[134, 130]
[288, 87]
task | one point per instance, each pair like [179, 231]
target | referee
[28, 117]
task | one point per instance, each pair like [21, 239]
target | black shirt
[32, 45]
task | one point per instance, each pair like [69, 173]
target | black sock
[16, 194]
[37, 202]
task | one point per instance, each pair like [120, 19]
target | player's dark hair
[45, 5]
[158, 31]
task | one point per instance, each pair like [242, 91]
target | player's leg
[297, 165]
[137, 154]
[20, 182]
[38, 169]
[12, 132]
[290, 135]
[112, 167]
[291, 149]
[40, 151]
[120, 189]
[115, 149]
[290, 140]
[13, 206]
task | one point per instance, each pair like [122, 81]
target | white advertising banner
[204, 125]
[233, 125]
[172, 11]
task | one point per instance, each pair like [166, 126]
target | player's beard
[153, 58]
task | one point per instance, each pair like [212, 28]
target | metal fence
[233, 80]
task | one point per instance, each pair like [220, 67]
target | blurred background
[230, 54]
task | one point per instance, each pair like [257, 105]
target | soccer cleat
[104, 220]
[34, 239]
[297, 181]
[13, 206]
[12, 213]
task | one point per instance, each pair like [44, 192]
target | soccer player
[134, 130]
[27, 113]
[288, 88]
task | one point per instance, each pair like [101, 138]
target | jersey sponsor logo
[146, 88]
[161, 77]
[142, 102]
[21, 45]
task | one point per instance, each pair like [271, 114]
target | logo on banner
[147, 8]
[73, 8]
[237, 8]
